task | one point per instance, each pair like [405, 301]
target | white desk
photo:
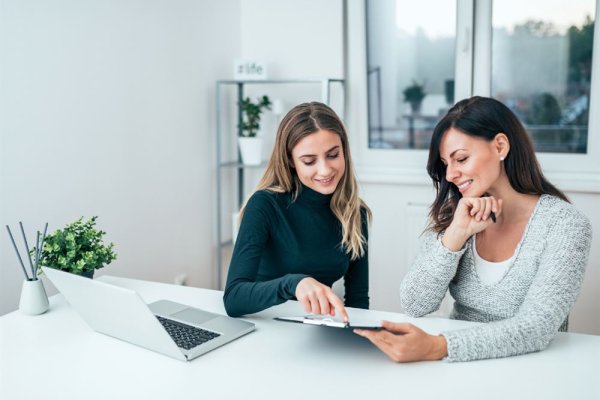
[56, 356]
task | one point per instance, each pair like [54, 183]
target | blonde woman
[305, 226]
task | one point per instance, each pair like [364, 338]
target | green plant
[77, 248]
[251, 114]
[414, 93]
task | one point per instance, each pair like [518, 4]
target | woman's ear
[502, 145]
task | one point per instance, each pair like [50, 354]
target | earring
[501, 158]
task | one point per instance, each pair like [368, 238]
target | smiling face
[473, 164]
[319, 161]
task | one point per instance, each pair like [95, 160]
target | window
[536, 57]
[411, 58]
[542, 66]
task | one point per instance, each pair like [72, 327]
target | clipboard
[320, 320]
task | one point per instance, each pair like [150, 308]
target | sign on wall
[245, 70]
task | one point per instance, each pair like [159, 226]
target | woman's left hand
[405, 342]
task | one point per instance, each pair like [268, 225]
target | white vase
[34, 300]
[251, 150]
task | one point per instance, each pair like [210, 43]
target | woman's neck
[515, 206]
[312, 196]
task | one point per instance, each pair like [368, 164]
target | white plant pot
[34, 300]
[251, 150]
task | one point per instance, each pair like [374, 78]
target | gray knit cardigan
[526, 308]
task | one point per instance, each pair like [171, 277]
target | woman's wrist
[439, 348]
[453, 239]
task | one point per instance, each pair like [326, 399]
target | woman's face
[319, 161]
[472, 164]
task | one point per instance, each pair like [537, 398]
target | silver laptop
[173, 329]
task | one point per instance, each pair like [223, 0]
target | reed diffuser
[33, 299]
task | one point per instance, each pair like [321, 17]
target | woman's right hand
[472, 215]
[319, 299]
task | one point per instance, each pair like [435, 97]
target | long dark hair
[484, 117]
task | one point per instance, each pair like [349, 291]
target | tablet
[321, 320]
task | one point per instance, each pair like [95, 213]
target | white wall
[298, 39]
[107, 109]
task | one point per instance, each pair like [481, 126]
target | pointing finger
[339, 306]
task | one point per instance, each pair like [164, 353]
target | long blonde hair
[301, 121]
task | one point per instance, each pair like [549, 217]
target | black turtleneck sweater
[280, 242]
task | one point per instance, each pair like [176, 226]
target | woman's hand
[319, 299]
[472, 215]
[405, 342]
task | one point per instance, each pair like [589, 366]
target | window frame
[473, 76]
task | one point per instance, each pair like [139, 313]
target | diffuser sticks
[39, 245]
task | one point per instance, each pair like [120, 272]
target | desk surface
[57, 356]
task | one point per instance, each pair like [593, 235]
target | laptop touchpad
[193, 316]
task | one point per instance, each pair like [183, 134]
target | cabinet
[317, 89]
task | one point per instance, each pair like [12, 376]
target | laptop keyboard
[186, 336]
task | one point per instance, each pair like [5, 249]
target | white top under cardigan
[490, 272]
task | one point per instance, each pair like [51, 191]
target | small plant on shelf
[414, 94]
[251, 112]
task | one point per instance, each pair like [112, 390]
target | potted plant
[414, 94]
[250, 143]
[78, 248]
